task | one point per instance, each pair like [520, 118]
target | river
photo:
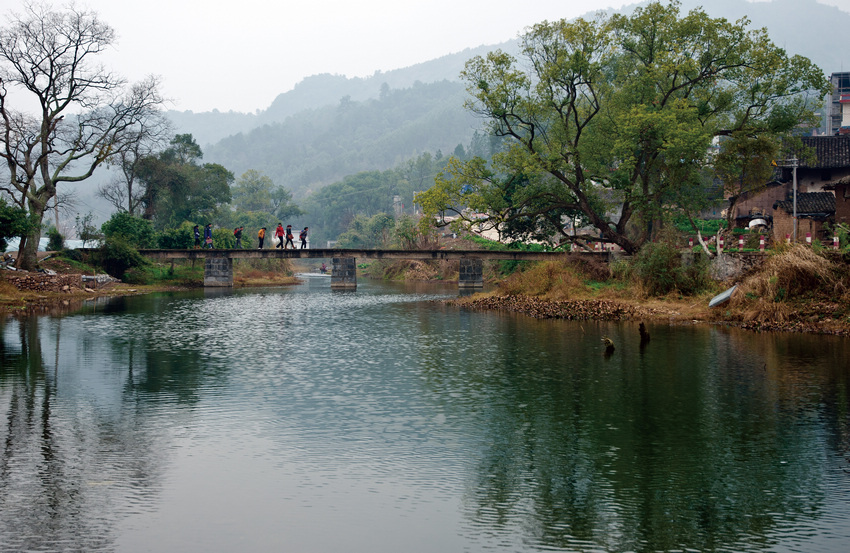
[305, 420]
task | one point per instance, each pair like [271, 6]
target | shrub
[180, 238]
[223, 239]
[134, 231]
[116, 256]
[659, 269]
[55, 240]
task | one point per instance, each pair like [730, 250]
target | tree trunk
[28, 251]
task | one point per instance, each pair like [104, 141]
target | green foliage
[75, 259]
[223, 238]
[332, 209]
[368, 232]
[707, 227]
[55, 240]
[85, 228]
[179, 238]
[180, 274]
[116, 255]
[614, 119]
[13, 222]
[178, 188]
[660, 269]
[134, 231]
[255, 192]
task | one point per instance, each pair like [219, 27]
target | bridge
[218, 264]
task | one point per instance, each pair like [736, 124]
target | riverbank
[809, 317]
[65, 287]
[795, 290]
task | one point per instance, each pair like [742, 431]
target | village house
[816, 183]
[841, 189]
[814, 210]
[826, 174]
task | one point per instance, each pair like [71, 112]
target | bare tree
[125, 191]
[86, 115]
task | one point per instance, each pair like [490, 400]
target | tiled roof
[809, 203]
[831, 151]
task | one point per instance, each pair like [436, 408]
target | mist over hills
[329, 126]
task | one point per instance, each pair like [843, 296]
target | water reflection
[266, 417]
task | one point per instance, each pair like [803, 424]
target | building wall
[783, 224]
[813, 180]
[763, 202]
[840, 85]
[842, 204]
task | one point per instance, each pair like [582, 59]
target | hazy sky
[240, 54]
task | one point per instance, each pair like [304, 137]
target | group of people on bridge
[284, 236]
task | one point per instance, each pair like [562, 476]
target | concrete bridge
[218, 264]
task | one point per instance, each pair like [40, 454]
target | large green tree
[612, 121]
[178, 188]
[84, 115]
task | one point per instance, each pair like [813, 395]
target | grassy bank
[797, 289]
[40, 292]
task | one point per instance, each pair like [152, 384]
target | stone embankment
[55, 283]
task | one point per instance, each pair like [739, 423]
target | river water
[306, 420]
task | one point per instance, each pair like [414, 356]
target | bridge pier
[344, 273]
[471, 274]
[218, 272]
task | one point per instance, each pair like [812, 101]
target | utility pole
[793, 163]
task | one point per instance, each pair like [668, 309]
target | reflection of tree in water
[72, 463]
[690, 444]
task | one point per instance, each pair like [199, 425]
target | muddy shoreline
[806, 320]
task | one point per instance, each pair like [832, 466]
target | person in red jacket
[278, 233]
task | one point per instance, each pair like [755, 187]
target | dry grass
[554, 280]
[794, 273]
[404, 269]
[258, 277]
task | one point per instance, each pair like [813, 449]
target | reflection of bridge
[218, 264]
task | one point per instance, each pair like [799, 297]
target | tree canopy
[178, 188]
[612, 121]
[85, 116]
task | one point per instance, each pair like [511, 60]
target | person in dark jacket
[303, 237]
[289, 237]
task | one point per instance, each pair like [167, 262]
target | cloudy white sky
[240, 54]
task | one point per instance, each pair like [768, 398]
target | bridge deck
[367, 254]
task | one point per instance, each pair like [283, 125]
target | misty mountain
[321, 90]
[329, 126]
[318, 146]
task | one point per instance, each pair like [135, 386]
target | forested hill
[317, 91]
[319, 146]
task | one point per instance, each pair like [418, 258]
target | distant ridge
[802, 27]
